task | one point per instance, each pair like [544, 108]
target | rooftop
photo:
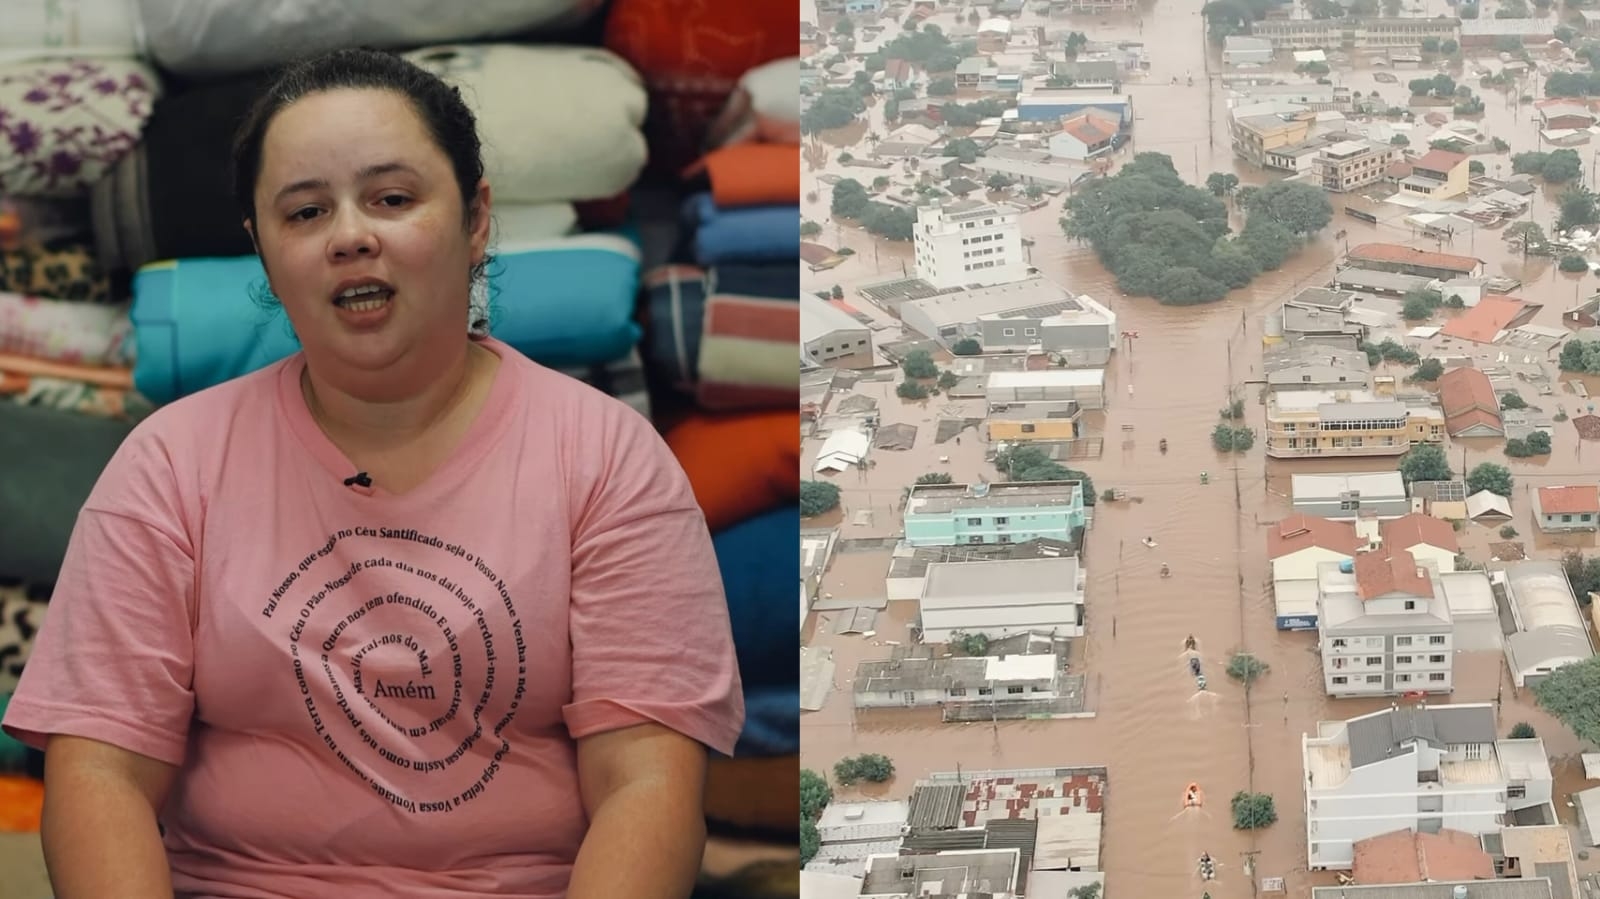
[1379, 735]
[1409, 530]
[1394, 253]
[1484, 322]
[1439, 160]
[819, 318]
[1390, 571]
[939, 499]
[1477, 889]
[943, 874]
[1011, 579]
[1330, 486]
[1569, 500]
[1298, 532]
[1403, 856]
[1036, 294]
[1055, 377]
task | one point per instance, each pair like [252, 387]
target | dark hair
[443, 112]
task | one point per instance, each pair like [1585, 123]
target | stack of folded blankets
[121, 112]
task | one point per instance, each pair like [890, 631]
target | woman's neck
[387, 423]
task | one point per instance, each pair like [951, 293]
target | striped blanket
[728, 335]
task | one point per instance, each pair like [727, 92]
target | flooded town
[1200, 475]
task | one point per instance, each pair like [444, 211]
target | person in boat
[1166, 570]
[1194, 666]
[1200, 681]
[1163, 444]
[1189, 642]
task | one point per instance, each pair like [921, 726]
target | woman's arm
[100, 834]
[643, 787]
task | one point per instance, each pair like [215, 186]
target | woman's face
[359, 222]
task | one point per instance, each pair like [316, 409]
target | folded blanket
[41, 27]
[518, 222]
[52, 460]
[565, 302]
[749, 353]
[22, 608]
[760, 566]
[675, 306]
[172, 197]
[739, 464]
[754, 175]
[78, 397]
[749, 234]
[764, 108]
[13, 365]
[64, 331]
[64, 272]
[692, 54]
[68, 121]
[529, 102]
[208, 37]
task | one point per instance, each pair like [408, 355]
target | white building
[1295, 547]
[1238, 49]
[1346, 497]
[1385, 626]
[1084, 386]
[1033, 315]
[929, 681]
[828, 333]
[1420, 768]
[1003, 597]
[968, 243]
[1550, 631]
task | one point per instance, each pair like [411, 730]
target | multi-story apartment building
[1355, 34]
[968, 243]
[1386, 626]
[1011, 512]
[1352, 164]
[1324, 423]
[1258, 131]
[1420, 768]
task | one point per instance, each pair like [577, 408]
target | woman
[402, 615]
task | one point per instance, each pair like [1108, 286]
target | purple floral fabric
[64, 123]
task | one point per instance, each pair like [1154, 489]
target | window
[1410, 604]
[974, 522]
[1001, 519]
[1436, 677]
[1338, 643]
[1402, 660]
[1566, 519]
[1008, 332]
[1030, 332]
[1027, 428]
[1374, 678]
[975, 539]
[1402, 641]
[1436, 660]
[958, 691]
[1402, 678]
[1341, 680]
[1005, 538]
[1436, 640]
[1016, 691]
[1516, 791]
[1374, 660]
[985, 691]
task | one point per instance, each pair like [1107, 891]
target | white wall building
[968, 243]
[1550, 631]
[1420, 768]
[1002, 598]
[1386, 626]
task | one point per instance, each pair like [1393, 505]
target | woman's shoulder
[562, 398]
[194, 423]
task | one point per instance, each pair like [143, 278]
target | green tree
[1301, 209]
[1246, 668]
[1449, 47]
[912, 390]
[1416, 309]
[810, 841]
[810, 229]
[1267, 242]
[919, 364]
[948, 379]
[1221, 183]
[1027, 463]
[941, 87]
[964, 149]
[1568, 693]
[1491, 477]
[1076, 41]
[1428, 370]
[1530, 236]
[966, 346]
[1512, 400]
[935, 477]
[998, 181]
[1572, 355]
[1425, 462]
[833, 108]
[971, 644]
[1399, 140]
[1583, 573]
[1252, 811]
[815, 794]
[1475, 168]
[817, 497]
[1522, 730]
[849, 199]
[1430, 45]
[869, 766]
[1578, 208]
[1087, 891]
[1538, 443]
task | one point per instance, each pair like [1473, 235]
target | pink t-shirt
[378, 695]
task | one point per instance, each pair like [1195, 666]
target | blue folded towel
[746, 234]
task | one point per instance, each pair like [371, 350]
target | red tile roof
[1086, 129]
[1482, 322]
[1569, 500]
[1409, 530]
[1467, 398]
[1299, 532]
[1402, 857]
[1394, 252]
[1390, 571]
[1439, 160]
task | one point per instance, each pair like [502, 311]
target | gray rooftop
[1363, 278]
[1378, 736]
[1015, 578]
[991, 871]
[1387, 410]
[939, 499]
[1440, 491]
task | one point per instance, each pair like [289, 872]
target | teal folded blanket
[563, 302]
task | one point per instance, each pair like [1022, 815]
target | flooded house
[967, 243]
[1385, 626]
[830, 336]
[1003, 598]
[1010, 512]
[1240, 49]
[1259, 131]
[1471, 408]
[1567, 508]
[1027, 422]
[1083, 387]
[935, 681]
[1345, 497]
[1033, 315]
[1548, 630]
[1347, 422]
[1446, 500]
[1353, 164]
[1356, 33]
[1295, 547]
[1405, 260]
[1437, 175]
[1416, 768]
[1306, 365]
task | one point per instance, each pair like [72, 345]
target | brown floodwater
[1150, 729]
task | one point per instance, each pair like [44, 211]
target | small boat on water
[1193, 796]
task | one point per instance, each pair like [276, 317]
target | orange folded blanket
[739, 464]
[754, 175]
